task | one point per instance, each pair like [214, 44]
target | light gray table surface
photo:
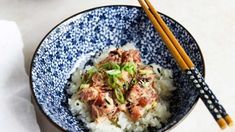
[211, 22]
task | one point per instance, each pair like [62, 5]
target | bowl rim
[169, 127]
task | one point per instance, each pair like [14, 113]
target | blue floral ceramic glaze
[86, 34]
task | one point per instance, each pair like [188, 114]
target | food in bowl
[121, 93]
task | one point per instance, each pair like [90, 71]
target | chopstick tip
[221, 122]
[228, 120]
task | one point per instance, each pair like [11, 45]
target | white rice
[154, 117]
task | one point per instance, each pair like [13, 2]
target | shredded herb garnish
[110, 66]
[119, 95]
[113, 72]
[84, 86]
[89, 74]
[130, 67]
[146, 72]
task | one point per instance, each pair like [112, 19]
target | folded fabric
[16, 110]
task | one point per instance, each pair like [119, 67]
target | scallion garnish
[113, 72]
[119, 95]
[110, 66]
[130, 67]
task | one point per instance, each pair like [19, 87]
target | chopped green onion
[110, 81]
[130, 71]
[84, 86]
[130, 67]
[106, 66]
[91, 72]
[114, 72]
[117, 81]
[114, 82]
[134, 81]
[115, 66]
[146, 72]
[110, 66]
[119, 95]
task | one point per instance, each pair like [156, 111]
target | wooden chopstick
[164, 36]
[170, 35]
[184, 55]
[178, 53]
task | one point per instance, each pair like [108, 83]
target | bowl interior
[86, 35]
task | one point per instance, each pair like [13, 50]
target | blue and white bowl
[85, 34]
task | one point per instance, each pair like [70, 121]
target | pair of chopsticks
[181, 57]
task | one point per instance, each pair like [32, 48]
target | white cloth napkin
[16, 110]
